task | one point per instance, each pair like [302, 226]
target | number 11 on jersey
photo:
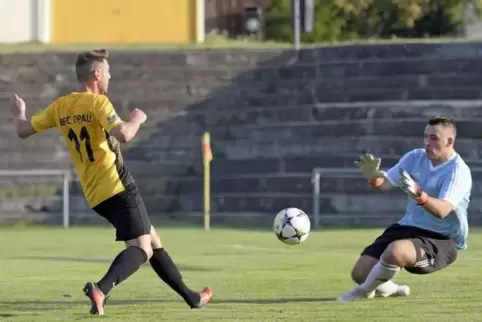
[83, 136]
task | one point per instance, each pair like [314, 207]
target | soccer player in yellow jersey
[92, 129]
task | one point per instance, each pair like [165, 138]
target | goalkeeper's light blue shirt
[451, 181]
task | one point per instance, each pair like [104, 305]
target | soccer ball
[292, 226]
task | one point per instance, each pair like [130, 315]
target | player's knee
[149, 252]
[142, 242]
[155, 239]
[155, 242]
[401, 253]
[358, 276]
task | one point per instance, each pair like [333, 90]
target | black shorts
[127, 213]
[434, 251]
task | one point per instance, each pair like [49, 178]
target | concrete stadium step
[304, 137]
[226, 167]
[374, 95]
[330, 183]
[198, 82]
[198, 58]
[193, 118]
[155, 203]
[355, 204]
[311, 96]
[332, 146]
[315, 93]
[173, 74]
[385, 127]
[38, 165]
[40, 159]
[298, 165]
[161, 185]
[410, 81]
[7, 130]
[47, 143]
[146, 152]
[396, 51]
[275, 140]
[164, 168]
[396, 109]
[246, 203]
[177, 117]
[245, 151]
[273, 57]
[398, 67]
[278, 183]
[122, 60]
[306, 164]
[218, 76]
[169, 138]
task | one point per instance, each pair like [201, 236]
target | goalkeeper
[427, 238]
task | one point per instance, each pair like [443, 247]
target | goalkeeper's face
[439, 141]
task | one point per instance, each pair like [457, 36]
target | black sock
[168, 272]
[124, 265]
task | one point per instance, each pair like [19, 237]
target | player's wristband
[375, 182]
[422, 198]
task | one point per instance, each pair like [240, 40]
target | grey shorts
[434, 251]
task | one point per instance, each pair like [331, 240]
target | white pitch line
[313, 252]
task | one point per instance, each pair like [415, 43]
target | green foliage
[330, 22]
[337, 20]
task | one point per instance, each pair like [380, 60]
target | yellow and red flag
[206, 148]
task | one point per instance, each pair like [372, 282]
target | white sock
[380, 274]
[387, 289]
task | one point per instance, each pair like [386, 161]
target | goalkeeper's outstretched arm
[380, 184]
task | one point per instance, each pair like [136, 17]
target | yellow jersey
[85, 120]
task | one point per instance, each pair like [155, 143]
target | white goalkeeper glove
[369, 165]
[412, 188]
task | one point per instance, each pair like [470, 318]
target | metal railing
[66, 177]
[316, 178]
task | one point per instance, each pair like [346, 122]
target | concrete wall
[155, 21]
[18, 20]
[273, 116]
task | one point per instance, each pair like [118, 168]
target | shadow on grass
[96, 260]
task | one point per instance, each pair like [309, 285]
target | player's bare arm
[381, 185]
[23, 126]
[437, 207]
[126, 131]
[370, 167]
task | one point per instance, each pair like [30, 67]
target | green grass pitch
[255, 278]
